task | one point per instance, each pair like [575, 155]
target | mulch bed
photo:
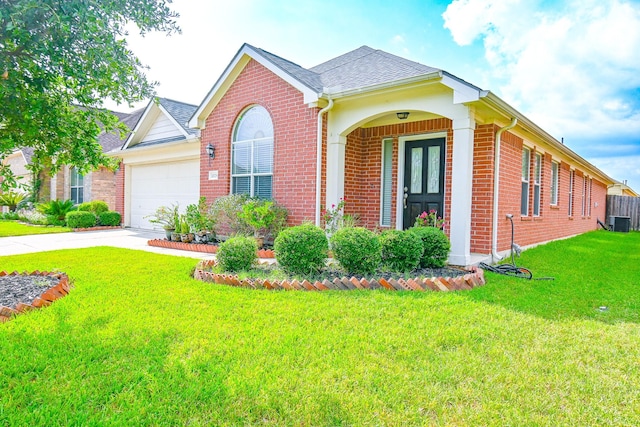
[20, 292]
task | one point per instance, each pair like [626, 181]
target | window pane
[538, 167]
[536, 200]
[524, 201]
[80, 180]
[387, 160]
[416, 170]
[255, 123]
[554, 183]
[263, 156]
[262, 186]
[73, 177]
[241, 185]
[525, 165]
[241, 158]
[433, 182]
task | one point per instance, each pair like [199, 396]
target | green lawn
[138, 342]
[14, 228]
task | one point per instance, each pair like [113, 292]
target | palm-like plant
[11, 199]
[57, 208]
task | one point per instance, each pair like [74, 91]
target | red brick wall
[363, 164]
[553, 222]
[103, 186]
[119, 199]
[295, 127]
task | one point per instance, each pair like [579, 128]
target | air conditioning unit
[620, 223]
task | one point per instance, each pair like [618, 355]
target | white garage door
[161, 185]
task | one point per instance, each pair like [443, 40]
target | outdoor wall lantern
[211, 151]
[402, 115]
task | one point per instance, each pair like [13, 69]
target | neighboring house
[621, 189]
[68, 183]
[160, 162]
[394, 138]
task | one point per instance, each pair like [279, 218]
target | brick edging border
[56, 292]
[473, 279]
[199, 247]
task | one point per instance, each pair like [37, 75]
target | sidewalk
[120, 238]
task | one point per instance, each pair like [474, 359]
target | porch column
[335, 169]
[461, 191]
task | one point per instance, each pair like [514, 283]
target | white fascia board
[229, 75]
[509, 112]
[138, 125]
[171, 151]
[462, 91]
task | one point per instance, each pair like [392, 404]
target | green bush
[436, 246]
[59, 208]
[84, 207]
[401, 251]
[99, 206]
[301, 249]
[109, 218]
[224, 211]
[357, 249]
[54, 220]
[10, 216]
[12, 199]
[237, 253]
[80, 219]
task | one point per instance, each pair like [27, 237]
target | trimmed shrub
[237, 253]
[54, 220]
[356, 249]
[84, 207]
[301, 249]
[401, 251]
[436, 246]
[109, 218]
[80, 219]
[99, 206]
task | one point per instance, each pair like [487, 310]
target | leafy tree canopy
[59, 60]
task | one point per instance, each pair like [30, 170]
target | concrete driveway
[120, 238]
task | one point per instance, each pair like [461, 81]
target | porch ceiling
[391, 118]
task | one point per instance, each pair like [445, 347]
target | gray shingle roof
[181, 112]
[111, 141]
[357, 69]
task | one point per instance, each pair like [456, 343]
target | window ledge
[554, 207]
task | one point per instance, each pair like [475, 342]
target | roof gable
[163, 120]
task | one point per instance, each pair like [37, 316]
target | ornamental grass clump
[356, 249]
[401, 251]
[237, 253]
[436, 246]
[301, 249]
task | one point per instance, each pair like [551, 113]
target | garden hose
[512, 269]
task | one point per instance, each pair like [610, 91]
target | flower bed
[470, 280]
[199, 247]
[36, 283]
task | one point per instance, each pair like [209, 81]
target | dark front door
[423, 178]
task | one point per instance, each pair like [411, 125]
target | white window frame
[251, 175]
[79, 178]
[525, 179]
[386, 183]
[572, 177]
[555, 180]
[537, 178]
[584, 196]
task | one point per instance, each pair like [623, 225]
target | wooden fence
[624, 206]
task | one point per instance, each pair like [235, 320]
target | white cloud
[573, 68]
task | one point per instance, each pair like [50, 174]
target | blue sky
[573, 67]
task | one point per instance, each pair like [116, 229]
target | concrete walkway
[120, 238]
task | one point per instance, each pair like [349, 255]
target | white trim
[402, 140]
[135, 136]
[555, 183]
[233, 70]
[382, 167]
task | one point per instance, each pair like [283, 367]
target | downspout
[496, 183]
[319, 160]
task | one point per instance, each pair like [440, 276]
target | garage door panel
[162, 185]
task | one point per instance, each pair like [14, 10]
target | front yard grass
[15, 228]
[138, 342]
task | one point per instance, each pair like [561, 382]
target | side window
[571, 184]
[252, 154]
[536, 185]
[554, 183]
[524, 198]
[76, 186]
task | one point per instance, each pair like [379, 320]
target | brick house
[67, 183]
[395, 138]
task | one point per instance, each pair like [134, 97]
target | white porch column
[461, 191]
[335, 169]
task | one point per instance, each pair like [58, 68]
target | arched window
[252, 154]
